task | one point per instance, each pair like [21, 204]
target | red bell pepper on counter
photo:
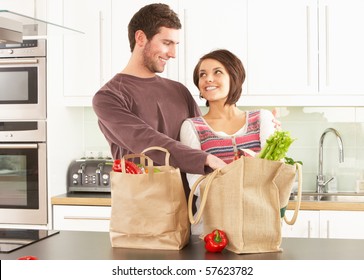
[215, 241]
[130, 167]
[28, 258]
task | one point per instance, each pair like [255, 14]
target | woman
[225, 129]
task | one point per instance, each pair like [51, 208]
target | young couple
[137, 108]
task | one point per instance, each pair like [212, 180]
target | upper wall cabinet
[302, 52]
[87, 57]
[210, 25]
[31, 8]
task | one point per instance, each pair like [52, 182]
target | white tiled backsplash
[306, 124]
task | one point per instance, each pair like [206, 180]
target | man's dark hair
[150, 19]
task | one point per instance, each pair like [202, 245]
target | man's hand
[214, 162]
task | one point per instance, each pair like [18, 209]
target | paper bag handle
[160, 149]
[210, 177]
[143, 157]
[299, 193]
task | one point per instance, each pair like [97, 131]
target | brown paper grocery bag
[245, 199]
[149, 211]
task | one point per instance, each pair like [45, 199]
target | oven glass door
[22, 88]
[22, 187]
[18, 84]
[19, 178]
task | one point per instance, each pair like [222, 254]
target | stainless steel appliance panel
[23, 80]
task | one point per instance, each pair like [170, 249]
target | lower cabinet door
[342, 224]
[307, 225]
[81, 218]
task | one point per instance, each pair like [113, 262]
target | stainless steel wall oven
[23, 147]
[23, 80]
[23, 184]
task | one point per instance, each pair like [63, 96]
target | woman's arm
[189, 137]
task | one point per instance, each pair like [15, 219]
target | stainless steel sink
[330, 197]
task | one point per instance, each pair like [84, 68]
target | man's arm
[125, 129]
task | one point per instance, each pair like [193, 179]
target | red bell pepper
[216, 241]
[130, 167]
[28, 258]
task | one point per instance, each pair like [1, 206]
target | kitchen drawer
[81, 218]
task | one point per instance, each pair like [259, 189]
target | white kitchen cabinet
[81, 218]
[31, 8]
[27, 8]
[210, 25]
[87, 57]
[342, 224]
[306, 225]
[326, 224]
[306, 51]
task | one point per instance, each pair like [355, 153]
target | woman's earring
[201, 95]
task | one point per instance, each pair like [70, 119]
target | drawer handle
[85, 218]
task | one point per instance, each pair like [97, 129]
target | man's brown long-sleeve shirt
[137, 113]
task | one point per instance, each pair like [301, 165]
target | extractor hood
[13, 26]
[11, 31]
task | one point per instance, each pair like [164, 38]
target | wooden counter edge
[333, 206]
[89, 201]
[305, 205]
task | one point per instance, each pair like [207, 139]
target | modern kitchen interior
[303, 59]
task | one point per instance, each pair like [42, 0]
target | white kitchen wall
[304, 123]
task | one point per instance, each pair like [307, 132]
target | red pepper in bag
[215, 241]
[130, 167]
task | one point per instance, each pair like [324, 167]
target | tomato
[28, 258]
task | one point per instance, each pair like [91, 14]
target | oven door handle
[19, 146]
[18, 61]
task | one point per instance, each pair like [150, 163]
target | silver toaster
[89, 175]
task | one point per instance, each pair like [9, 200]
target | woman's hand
[277, 123]
[214, 162]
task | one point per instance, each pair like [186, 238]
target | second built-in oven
[23, 80]
[23, 176]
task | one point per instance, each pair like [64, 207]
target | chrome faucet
[320, 182]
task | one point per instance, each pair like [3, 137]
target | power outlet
[106, 154]
[92, 154]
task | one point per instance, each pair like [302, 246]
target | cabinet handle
[327, 229]
[101, 47]
[86, 218]
[308, 47]
[327, 27]
[309, 229]
[185, 52]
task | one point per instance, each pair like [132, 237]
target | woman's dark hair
[150, 19]
[235, 69]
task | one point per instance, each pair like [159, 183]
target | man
[138, 109]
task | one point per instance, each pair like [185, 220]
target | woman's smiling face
[214, 80]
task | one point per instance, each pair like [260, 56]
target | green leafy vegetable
[277, 146]
[291, 161]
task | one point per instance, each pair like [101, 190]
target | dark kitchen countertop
[78, 245]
